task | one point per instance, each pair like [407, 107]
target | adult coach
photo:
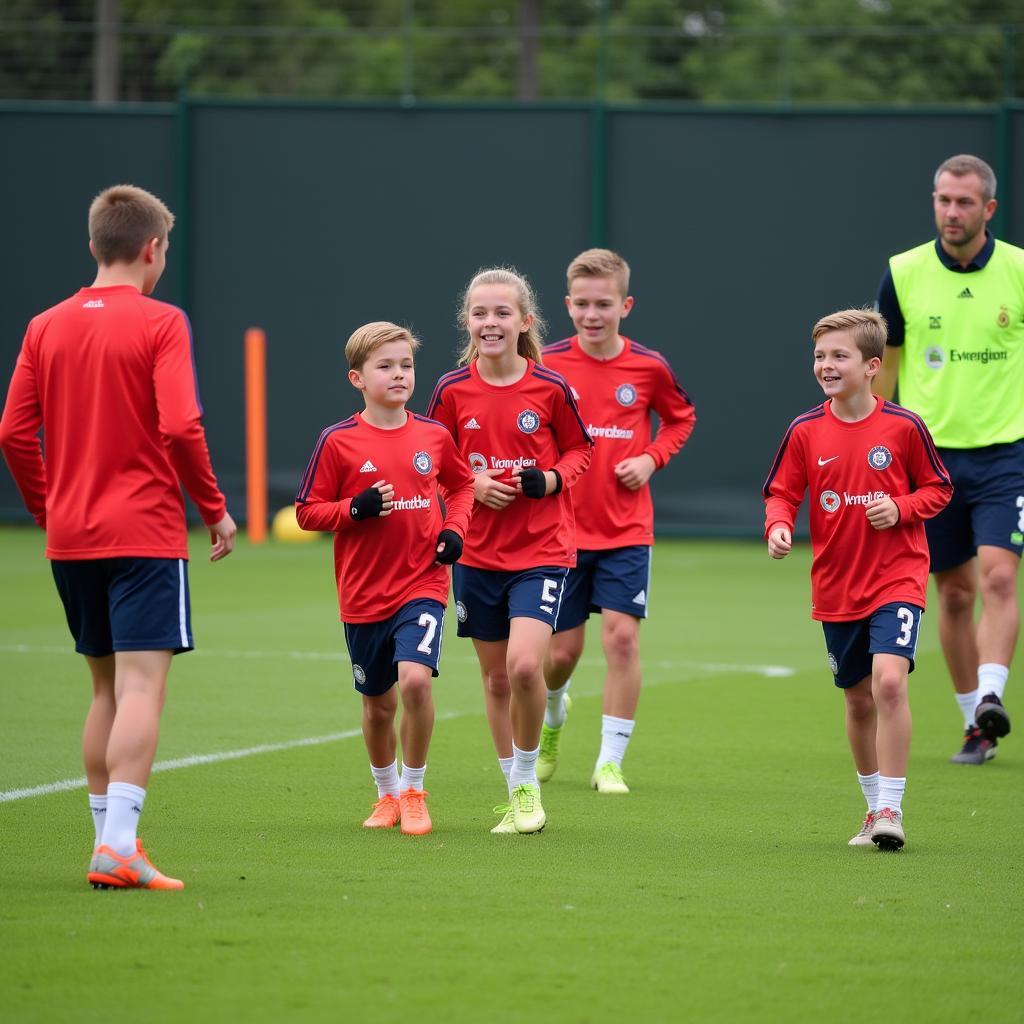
[955, 310]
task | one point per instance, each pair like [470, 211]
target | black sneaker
[991, 717]
[977, 748]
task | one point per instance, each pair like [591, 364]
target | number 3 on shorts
[430, 623]
[906, 617]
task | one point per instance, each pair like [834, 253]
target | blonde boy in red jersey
[108, 375]
[874, 477]
[618, 385]
[373, 481]
[517, 425]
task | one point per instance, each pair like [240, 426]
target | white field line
[62, 785]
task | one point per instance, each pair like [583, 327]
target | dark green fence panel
[742, 227]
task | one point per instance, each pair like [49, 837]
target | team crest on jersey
[528, 421]
[625, 394]
[477, 462]
[833, 664]
[879, 457]
[934, 357]
[830, 501]
[460, 611]
[358, 674]
[1003, 320]
[422, 462]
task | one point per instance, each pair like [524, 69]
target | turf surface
[721, 889]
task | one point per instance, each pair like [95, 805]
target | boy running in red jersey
[516, 423]
[108, 375]
[373, 481]
[618, 385]
[874, 477]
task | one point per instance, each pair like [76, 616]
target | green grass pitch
[721, 889]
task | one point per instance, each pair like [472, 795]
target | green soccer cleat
[527, 812]
[607, 778]
[506, 826]
[550, 739]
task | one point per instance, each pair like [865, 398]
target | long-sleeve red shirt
[385, 562]
[109, 376]
[531, 423]
[856, 568]
[616, 398]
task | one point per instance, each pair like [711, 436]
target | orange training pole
[256, 434]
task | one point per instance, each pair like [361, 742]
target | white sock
[869, 787]
[968, 702]
[387, 780]
[524, 768]
[615, 736]
[992, 679]
[412, 778]
[890, 792]
[98, 806]
[554, 714]
[505, 764]
[124, 805]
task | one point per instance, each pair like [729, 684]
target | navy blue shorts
[486, 599]
[987, 506]
[891, 629]
[413, 633]
[126, 604]
[618, 579]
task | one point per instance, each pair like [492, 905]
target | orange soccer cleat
[109, 870]
[386, 813]
[415, 816]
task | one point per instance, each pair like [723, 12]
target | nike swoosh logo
[825, 462]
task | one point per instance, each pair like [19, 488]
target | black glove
[366, 504]
[534, 484]
[452, 547]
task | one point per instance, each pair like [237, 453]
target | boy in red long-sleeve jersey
[620, 385]
[109, 376]
[373, 481]
[874, 477]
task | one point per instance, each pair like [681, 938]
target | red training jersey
[616, 398]
[533, 422]
[383, 563]
[856, 568]
[109, 376]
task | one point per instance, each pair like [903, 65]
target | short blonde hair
[529, 340]
[122, 219]
[963, 164]
[599, 263]
[865, 325]
[365, 340]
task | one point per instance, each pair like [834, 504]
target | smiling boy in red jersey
[109, 376]
[874, 477]
[373, 481]
[618, 385]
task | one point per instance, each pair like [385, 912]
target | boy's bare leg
[563, 655]
[889, 688]
[497, 692]
[414, 684]
[379, 727]
[620, 638]
[140, 687]
[861, 726]
[98, 722]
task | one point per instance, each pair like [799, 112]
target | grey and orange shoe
[109, 870]
[977, 748]
[887, 830]
[863, 837]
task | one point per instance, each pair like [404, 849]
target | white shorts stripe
[182, 617]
